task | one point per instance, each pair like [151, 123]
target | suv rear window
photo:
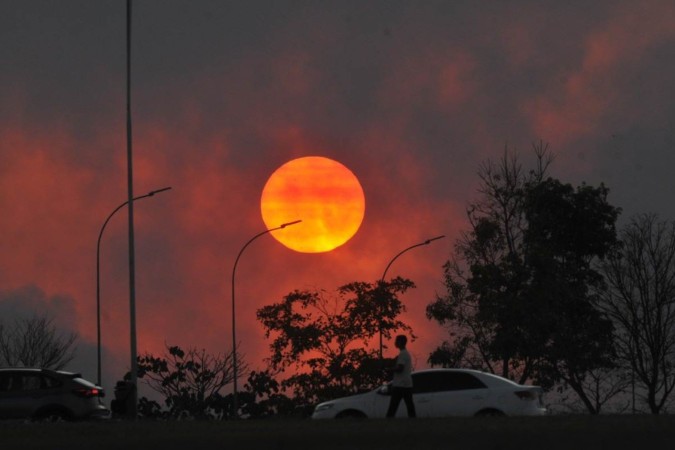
[50, 382]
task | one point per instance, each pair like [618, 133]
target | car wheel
[351, 414]
[490, 413]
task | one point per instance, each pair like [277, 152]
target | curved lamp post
[98, 277]
[235, 405]
[427, 242]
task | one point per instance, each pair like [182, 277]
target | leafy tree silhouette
[190, 382]
[325, 339]
[521, 290]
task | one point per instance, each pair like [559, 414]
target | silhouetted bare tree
[35, 342]
[641, 302]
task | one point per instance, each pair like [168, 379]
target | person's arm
[398, 366]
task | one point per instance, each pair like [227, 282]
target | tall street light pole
[130, 201]
[427, 242]
[98, 277]
[235, 405]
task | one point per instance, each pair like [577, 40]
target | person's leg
[394, 401]
[409, 404]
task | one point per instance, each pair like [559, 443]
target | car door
[458, 394]
[24, 393]
[425, 387]
[13, 400]
[6, 403]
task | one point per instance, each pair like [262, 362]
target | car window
[445, 381]
[5, 382]
[11, 382]
[427, 382]
[31, 382]
[457, 381]
[47, 382]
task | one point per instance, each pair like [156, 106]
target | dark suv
[44, 394]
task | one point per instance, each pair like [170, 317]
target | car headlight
[323, 407]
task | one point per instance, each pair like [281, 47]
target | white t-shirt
[404, 377]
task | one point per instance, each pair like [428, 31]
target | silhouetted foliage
[35, 342]
[150, 409]
[603, 388]
[190, 381]
[326, 339]
[263, 397]
[520, 297]
[569, 231]
[486, 279]
[641, 301]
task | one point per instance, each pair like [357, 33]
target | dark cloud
[30, 301]
[410, 96]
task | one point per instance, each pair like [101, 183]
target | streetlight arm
[236, 261]
[149, 194]
[427, 242]
[98, 276]
[283, 225]
[234, 335]
[381, 285]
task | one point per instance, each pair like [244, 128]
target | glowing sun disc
[321, 192]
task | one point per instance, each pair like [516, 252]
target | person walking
[402, 383]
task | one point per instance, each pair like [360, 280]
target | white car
[443, 393]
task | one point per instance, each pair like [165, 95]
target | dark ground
[555, 432]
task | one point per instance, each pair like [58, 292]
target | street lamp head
[428, 241]
[157, 191]
[284, 225]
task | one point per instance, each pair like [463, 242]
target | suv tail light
[89, 392]
[527, 395]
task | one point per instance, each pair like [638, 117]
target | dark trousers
[398, 393]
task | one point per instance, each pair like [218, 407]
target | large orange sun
[321, 192]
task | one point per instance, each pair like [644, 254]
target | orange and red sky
[410, 96]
